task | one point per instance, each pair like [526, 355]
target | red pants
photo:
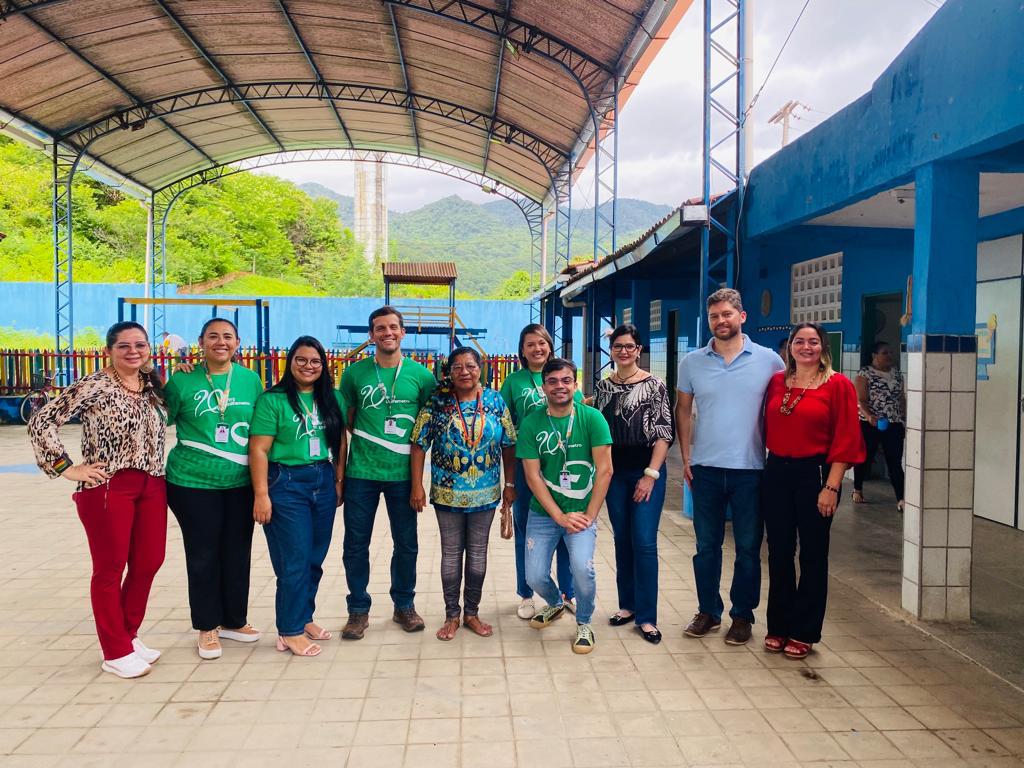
[125, 521]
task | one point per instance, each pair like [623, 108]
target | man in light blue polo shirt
[727, 379]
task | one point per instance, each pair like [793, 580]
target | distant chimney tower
[371, 224]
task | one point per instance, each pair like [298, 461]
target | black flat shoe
[617, 621]
[653, 637]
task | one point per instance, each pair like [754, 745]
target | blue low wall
[30, 307]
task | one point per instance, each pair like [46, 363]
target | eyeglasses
[466, 368]
[308, 362]
[625, 347]
[565, 382]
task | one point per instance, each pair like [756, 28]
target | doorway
[880, 321]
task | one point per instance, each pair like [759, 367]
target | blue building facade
[899, 219]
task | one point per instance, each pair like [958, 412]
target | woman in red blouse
[813, 436]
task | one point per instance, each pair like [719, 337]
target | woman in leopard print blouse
[121, 496]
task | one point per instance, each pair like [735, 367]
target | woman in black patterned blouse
[121, 495]
[636, 406]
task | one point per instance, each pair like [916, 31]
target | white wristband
[653, 473]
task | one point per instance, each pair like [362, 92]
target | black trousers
[790, 489]
[891, 441]
[216, 529]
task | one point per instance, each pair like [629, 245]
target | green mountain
[489, 242]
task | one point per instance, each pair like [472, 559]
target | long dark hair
[323, 393]
[153, 387]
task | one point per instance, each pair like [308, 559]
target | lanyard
[563, 445]
[538, 387]
[222, 400]
[313, 415]
[380, 383]
[472, 439]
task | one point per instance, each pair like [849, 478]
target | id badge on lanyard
[565, 480]
[391, 427]
[221, 433]
[314, 447]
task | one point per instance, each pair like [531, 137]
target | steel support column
[64, 162]
[161, 207]
[724, 144]
[606, 172]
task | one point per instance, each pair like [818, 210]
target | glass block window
[656, 315]
[627, 315]
[816, 290]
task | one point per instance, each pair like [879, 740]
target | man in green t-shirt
[567, 458]
[383, 395]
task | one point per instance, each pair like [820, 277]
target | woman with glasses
[121, 495]
[523, 393]
[468, 430]
[883, 405]
[208, 485]
[636, 406]
[813, 437]
[297, 461]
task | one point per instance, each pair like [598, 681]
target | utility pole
[783, 115]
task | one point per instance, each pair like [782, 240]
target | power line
[757, 95]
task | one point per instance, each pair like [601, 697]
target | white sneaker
[526, 610]
[128, 666]
[570, 605]
[149, 655]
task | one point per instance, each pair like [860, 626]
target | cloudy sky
[838, 49]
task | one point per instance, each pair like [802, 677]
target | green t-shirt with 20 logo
[295, 437]
[539, 439]
[198, 460]
[379, 451]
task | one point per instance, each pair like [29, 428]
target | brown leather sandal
[481, 628]
[448, 629]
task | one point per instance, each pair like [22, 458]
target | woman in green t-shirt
[208, 486]
[297, 459]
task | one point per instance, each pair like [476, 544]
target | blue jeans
[714, 489]
[635, 525]
[303, 504]
[520, 515]
[543, 535]
[361, 499]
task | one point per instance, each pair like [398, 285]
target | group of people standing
[288, 457]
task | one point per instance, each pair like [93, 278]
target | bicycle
[38, 396]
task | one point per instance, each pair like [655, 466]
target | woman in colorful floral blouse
[469, 432]
[121, 494]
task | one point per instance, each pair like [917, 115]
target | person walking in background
[727, 380]
[566, 452]
[173, 344]
[468, 430]
[636, 406]
[297, 461]
[121, 495]
[208, 485]
[883, 405]
[383, 395]
[523, 393]
[813, 437]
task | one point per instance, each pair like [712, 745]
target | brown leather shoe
[356, 626]
[409, 620]
[701, 624]
[739, 632]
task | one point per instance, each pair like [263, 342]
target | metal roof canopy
[160, 89]
[156, 92]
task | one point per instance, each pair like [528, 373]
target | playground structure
[429, 321]
[262, 307]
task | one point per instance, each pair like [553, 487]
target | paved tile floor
[876, 693]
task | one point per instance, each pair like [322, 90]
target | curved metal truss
[164, 198]
[135, 117]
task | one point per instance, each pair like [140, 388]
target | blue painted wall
[874, 261]
[954, 91]
[29, 307]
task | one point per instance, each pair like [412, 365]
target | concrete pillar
[942, 352]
